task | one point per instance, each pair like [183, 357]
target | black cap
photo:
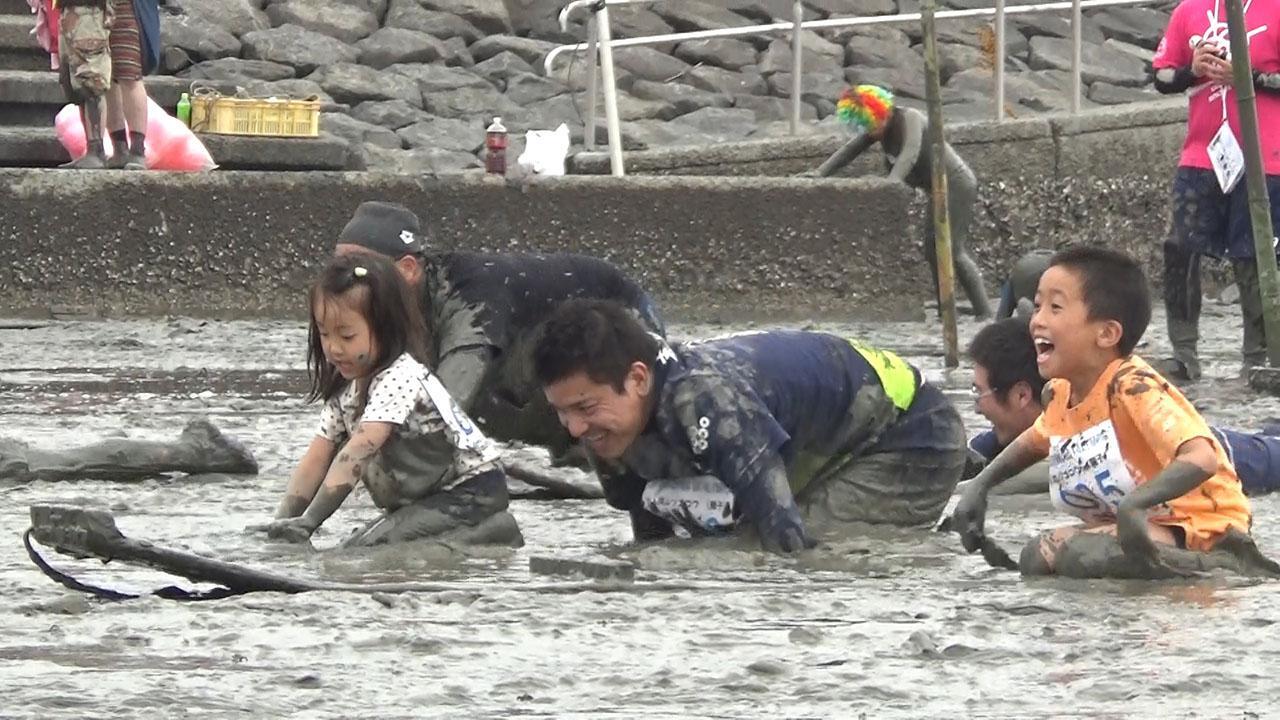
[385, 228]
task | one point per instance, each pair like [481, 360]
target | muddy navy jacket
[766, 413]
[1256, 457]
[487, 307]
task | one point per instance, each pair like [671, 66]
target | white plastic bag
[545, 151]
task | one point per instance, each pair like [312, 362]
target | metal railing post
[589, 132]
[997, 72]
[1077, 51]
[610, 90]
[797, 64]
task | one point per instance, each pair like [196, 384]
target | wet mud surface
[889, 623]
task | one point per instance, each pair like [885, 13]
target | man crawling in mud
[1128, 454]
[786, 434]
[482, 311]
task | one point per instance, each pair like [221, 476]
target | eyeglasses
[979, 394]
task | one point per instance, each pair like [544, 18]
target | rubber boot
[1254, 347]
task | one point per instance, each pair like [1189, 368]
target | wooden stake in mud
[1255, 178]
[941, 216]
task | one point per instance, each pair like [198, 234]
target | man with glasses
[1007, 391]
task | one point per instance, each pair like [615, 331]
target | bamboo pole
[941, 216]
[1255, 179]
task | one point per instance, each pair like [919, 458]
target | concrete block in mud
[595, 568]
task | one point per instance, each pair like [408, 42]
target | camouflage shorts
[84, 47]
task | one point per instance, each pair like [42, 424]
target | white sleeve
[393, 394]
[331, 425]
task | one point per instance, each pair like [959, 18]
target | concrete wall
[1103, 176]
[243, 243]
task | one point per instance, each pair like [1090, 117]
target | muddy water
[887, 624]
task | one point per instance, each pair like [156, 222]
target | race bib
[699, 504]
[1087, 476]
[1226, 157]
[465, 434]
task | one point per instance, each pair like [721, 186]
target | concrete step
[18, 47]
[39, 147]
[34, 97]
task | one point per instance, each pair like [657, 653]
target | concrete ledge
[39, 147]
[41, 87]
[243, 243]
[15, 33]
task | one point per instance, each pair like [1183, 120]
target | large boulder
[772, 109]
[684, 98]
[468, 102]
[235, 16]
[902, 82]
[354, 84]
[237, 70]
[713, 79]
[291, 88]
[502, 66]
[1054, 25]
[1098, 63]
[821, 90]
[392, 114]
[762, 12]
[632, 21]
[392, 45]
[530, 50]
[344, 21]
[1135, 25]
[719, 124]
[720, 52]
[201, 41]
[541, 19]
[817, 54]
[953, 58]
[1107, 94]
[633, 108]
[408, 14]
[863, 52]
[303, 50]
[444, 133]
[575, 75]
[490, 16]
[457, 54]
[527, 88]
[649, 64]
[438, 78]
[853, 8]
[694, 15]
[358, 132]
[549, 114]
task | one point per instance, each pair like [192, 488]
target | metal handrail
[999, 11]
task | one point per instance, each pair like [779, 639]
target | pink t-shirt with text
[1197, 20]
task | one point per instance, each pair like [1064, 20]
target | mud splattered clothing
[432, 456]
[1124, 432]
[1256, 457]
[84, 48]
[802, 428]
[483, 312]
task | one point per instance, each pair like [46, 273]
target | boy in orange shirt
[1128, 454]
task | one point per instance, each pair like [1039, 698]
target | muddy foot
[220, 453]
[90, 161]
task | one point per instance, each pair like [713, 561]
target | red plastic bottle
[495, 145]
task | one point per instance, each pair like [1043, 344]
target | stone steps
[39, 147]
[34, 97]
[16, 7]
[18, 47]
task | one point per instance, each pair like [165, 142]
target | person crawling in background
[84, 53]
[1128, 454]
[388, 423]
[902, 133]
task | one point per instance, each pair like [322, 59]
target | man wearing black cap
[482, 312]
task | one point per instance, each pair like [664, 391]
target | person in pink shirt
[1195, 57]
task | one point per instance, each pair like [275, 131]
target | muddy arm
[912, 146]
[463, 370]
[347, 469]
[970, 514]
[845, 155]
[1196, 462]
[306, 478]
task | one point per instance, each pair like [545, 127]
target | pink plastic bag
[170, 144]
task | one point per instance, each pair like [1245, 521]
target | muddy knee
[1033, 560]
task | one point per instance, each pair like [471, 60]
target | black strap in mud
[168, 592]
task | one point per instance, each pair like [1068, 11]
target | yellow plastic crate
[211, 113]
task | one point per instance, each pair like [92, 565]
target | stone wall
[243, 243]
[1102, 176]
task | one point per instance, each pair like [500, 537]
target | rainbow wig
[866, 107]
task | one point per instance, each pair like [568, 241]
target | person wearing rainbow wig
[870, 111]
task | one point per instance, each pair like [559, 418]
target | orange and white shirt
[1124, 432]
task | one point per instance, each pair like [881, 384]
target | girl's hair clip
[360, 271]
